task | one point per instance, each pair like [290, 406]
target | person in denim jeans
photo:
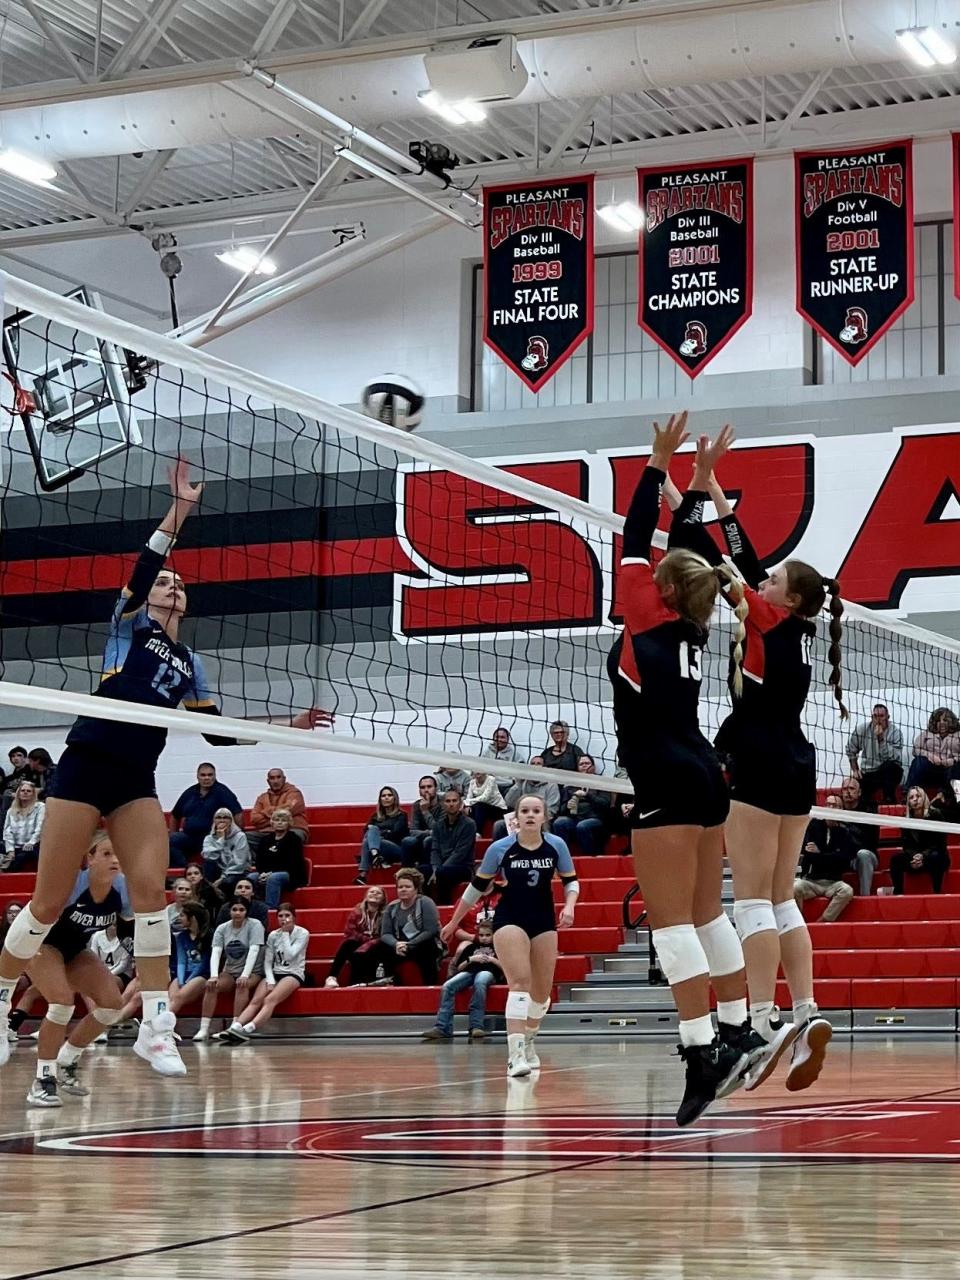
[386, 827]
[475, 965]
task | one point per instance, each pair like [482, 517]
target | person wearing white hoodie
[226, 853]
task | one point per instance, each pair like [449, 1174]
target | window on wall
[925, 340]
[617, 362]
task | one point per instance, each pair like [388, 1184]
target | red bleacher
[885, 952]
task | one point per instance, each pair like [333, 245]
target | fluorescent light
[243, 257]
[26, 168]
[927, 47]
[466, 111]
[625, 216]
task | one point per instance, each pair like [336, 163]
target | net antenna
[71, 391]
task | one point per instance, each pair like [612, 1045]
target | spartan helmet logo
[538, 353]
[855, 325]
[694, 339]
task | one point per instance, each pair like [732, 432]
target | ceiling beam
[568, 133]
[144, 39]
[57, 40]
[369, 14]
[153, 171]
[273, 28]
[799, 107]
[285, 159]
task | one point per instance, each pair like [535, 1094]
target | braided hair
[812, 590]
[731, 584]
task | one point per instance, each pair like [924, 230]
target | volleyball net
[425, 597]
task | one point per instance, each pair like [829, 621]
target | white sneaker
[331, 982]
[518, 1065]
[6, 1038]
[809, 1051]
[43, 1093]
[156, 1045]
[202, 1034]
[102, 1039]
[764, 1067]
[531, 1055]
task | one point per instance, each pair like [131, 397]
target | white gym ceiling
[143, 108]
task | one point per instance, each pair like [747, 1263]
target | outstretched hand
[667, 440]
[313, 719]
[709, 454]
[180, 485]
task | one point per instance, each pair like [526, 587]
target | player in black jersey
[65, 967]
[525, 922]
[681, 795]
[773, 776]
[107, 771]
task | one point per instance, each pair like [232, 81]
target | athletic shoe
[764, 1066]
[361, 879]
[202, 1034]
[43, 1093]
[531, 1055]
[102, 1038]
[476, 1034]
[156, 1045]
[748, 1041]
[710, 1067]
[518, 1065]
[331, 982]
[435, 1036]
[7, 1037]
[70, 1081]
[234, 1035]
[809, 1051]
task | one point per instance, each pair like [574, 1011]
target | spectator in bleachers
[203, 891]
[452, 849]
[865, 837]
[875, 752]
[828, 849]
[226, 854]
[43, 768]
[191, 957]
[935, 751]
[423, 815]
[560, 752]
[474, 965]
[410, 929]
[584, 814]
[483, 802]
[238, 943]
[386, 828]
[22, 827]
[922, 851]
[447, 778]
[20, 772]
[257, 910]
[280, 794]
[360, 936]
[621, 807]
[548, 792]
[10, 913]
[502, 747]
[191, 818]
[281, 866]
[117, 955]
[285, 972]
[182, 893]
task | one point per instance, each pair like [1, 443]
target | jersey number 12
[690, 661]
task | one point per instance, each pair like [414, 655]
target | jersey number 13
[690, 656]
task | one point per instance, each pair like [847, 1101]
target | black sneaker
[361, 878]
[709, 1068]
[749, 1042]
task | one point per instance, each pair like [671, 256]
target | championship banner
[538, 273]
[854, 217]
[696, 257]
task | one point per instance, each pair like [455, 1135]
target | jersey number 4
[690, 656]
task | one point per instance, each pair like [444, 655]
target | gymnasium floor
[348, 1159]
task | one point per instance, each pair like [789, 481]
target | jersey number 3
[690, 656]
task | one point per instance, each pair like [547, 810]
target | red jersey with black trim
[655, 666]
[776, 662]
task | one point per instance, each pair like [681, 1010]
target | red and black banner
[538, 273]
[696, 257]
[956, 213]
[854, 218]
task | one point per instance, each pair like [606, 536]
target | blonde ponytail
[733, 587]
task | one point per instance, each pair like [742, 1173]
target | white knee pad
[788, 916]
[680, 952]
[107, 1017]
[151, 934]
[518, 1005]
[722, 946]
[25, 936]
[537, 1012]
[60, 1014]
[754, 915]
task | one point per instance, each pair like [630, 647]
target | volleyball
[394, 400]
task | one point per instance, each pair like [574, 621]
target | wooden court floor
[348, 1159]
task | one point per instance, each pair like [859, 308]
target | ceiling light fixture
[244, 257]
[927, 47]
[625, 216]
[465, 111]
[38, 172]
